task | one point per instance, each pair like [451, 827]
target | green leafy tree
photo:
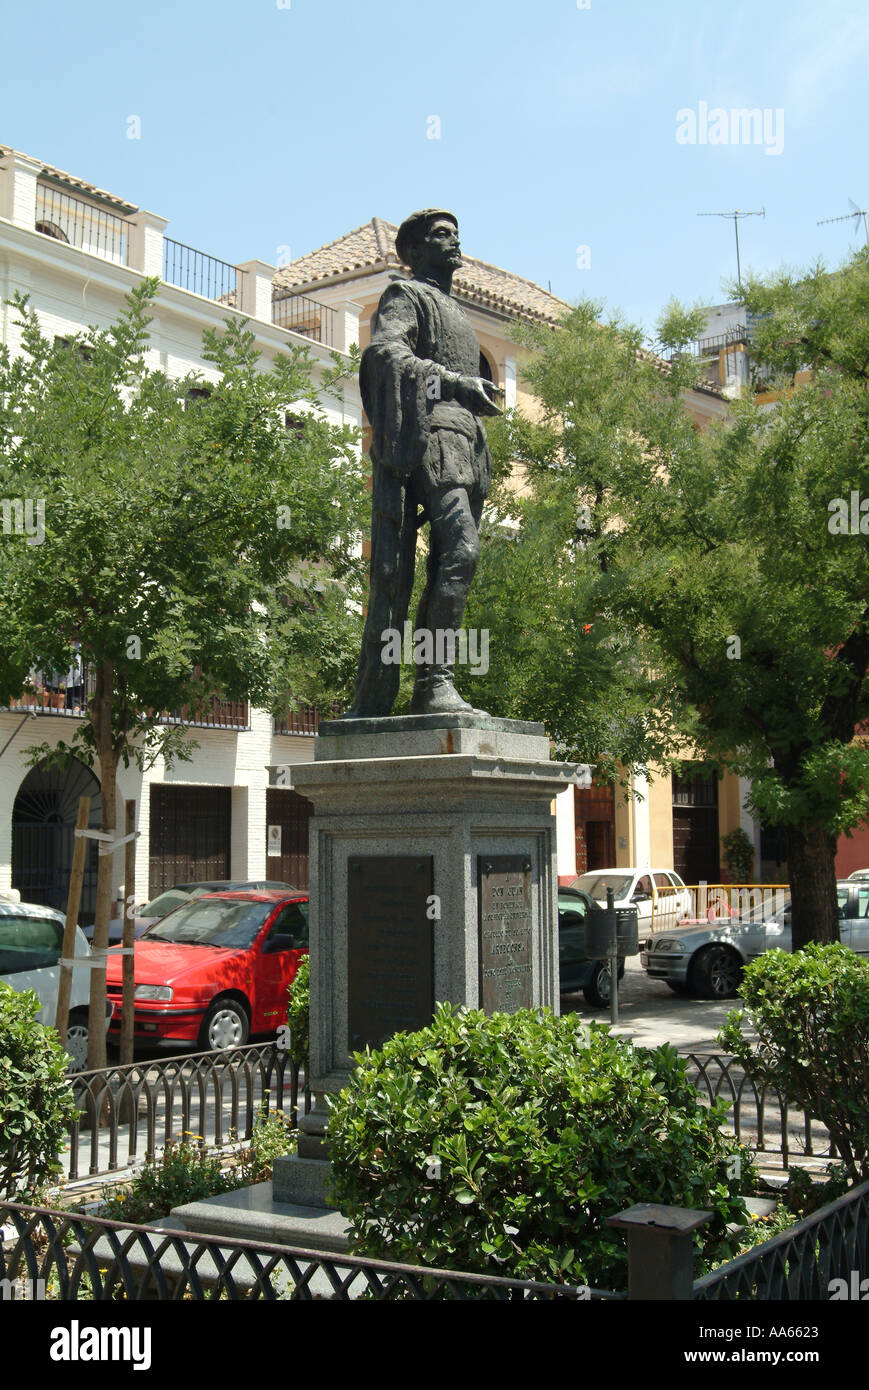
[184, 540]
[727, 596]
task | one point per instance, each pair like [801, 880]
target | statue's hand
[473, 393]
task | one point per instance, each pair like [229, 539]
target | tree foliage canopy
[184, 529]
[697, 590]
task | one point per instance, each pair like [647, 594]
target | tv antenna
[737, 217]
[853, 216]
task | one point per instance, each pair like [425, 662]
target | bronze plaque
[505, 932]
[390, 946]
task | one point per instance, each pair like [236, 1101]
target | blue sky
[267, 124]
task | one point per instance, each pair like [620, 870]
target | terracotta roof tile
[371, 247]
[48, 171]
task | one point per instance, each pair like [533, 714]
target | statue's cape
[395, 373]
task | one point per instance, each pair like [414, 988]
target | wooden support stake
[128, 936]
[73, 905]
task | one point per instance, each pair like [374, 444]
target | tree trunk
[102, 725]
[812, 872]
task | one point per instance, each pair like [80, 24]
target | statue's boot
[436, 694]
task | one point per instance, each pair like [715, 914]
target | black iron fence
[217, 1095]
[817, 1259]
[60, 1255]
[193, 270]
[760, 1117]
[706, 347]
[306, 316]
[56, 692]
[53, 692]
[51, 1254]
[128, 1111]
[85, 225]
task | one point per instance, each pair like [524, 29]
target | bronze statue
[423, 394]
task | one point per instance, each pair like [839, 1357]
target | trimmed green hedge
[501, 1144]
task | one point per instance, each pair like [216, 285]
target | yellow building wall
[660, 803]
[624, 830]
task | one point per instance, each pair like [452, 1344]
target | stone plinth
[433, 879]
[441, 798]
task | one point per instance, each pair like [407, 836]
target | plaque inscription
[390, 947]
[505, 933]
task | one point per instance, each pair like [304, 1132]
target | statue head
[429, 238]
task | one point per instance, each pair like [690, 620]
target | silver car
[707, 959]
[31, 948]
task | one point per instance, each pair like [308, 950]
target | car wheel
[77, 1040]
[225, 1025]
[597, 991]
[716, 973]
[677, 986]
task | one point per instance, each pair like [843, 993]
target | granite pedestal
[433, 878]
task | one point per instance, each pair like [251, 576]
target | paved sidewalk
[651, 1014]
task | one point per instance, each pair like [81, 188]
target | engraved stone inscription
[390, 946]
[505, 933]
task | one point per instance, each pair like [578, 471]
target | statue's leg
[454, 552]
[391, 567]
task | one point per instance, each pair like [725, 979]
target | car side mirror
[641, 898]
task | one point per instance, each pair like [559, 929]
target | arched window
[43, 822]
[487, 371]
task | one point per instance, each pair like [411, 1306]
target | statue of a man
[423, 395]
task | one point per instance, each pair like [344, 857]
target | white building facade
[76, 251]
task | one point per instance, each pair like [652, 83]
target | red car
[217, 969]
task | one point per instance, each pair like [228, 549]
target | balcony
[50, 692]
[126, 235]
[67, 695]
[87, 226]
[305, 720]
[193, 270]
[211, 714]
[299, 314]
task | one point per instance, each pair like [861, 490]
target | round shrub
[804, 1030]
[36, 1099]
[501, 1144]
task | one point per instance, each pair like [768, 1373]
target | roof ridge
[380, 226]
[327, 245]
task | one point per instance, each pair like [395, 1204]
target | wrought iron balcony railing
[56, 694]
[306, 316]
[80, 224]
[193, 270]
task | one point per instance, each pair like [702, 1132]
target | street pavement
[651, 1014]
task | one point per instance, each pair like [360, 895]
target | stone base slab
[430, 735]
[303, 1181]
[253, 1213]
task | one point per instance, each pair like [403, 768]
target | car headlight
[153, 992]
[670, 945]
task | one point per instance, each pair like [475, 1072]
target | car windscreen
[597, 884]
[28, 943]
[212, 922]
[165, 902]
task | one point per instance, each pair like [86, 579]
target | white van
[31, 945]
